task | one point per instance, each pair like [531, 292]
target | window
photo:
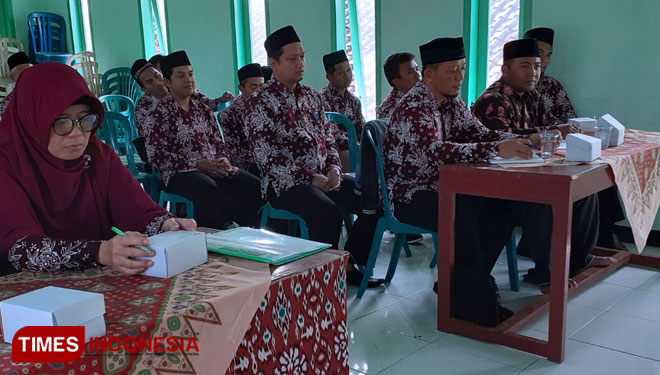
[360, 23]
[81, 30]
[257, 16]
[153, 27]
[503, 26]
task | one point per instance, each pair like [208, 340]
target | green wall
[22, 8]
[116, 32]
[607, 60]
[404, 26]
[204, 30]
[311, 19]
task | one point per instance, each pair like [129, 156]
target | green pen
[121, 233]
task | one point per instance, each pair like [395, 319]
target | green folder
[261, 245]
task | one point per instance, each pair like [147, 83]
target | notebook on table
[261, 245]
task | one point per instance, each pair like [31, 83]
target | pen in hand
[121, 233]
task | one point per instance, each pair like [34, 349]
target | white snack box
[580, 147]
[584, 123]
[176, 252]
[618, 130]
[54, 306]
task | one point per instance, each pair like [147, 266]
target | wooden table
[558, 186]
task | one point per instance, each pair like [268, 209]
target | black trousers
[484, 225]
[219, 200]
[323, 213]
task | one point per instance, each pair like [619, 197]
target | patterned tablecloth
[636, 167]
[299, 326]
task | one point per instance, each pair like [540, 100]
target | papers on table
[261, 245]
[534, 159]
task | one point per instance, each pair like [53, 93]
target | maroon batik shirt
[423, 134]
[232, 123]
[290, 136]
[143, 109]
[501, 108]
[555, 99]
[391, 101]
[348, 105]
[177, 139]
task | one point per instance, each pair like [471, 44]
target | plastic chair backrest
[119, 81]
[352, 135]
[224, 105]
[8, 47]
[46, 33]
[123, 105]
[113, 124]
[381, 175]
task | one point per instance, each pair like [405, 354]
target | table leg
[446, 224]
[559, 264]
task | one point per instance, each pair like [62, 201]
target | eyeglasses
[64, 125]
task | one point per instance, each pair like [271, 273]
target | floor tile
[623, 333]
[577, 317]
[653, 284]
[439, 359]
[630, 276]
[373, 350]
[601, 296]
[497, 353]
[584, 359]
[371, 301]
[641, 304]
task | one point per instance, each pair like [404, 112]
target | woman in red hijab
[62, 189]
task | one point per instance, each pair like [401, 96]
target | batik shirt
[348, 105]
[501, 108]
[144, 108]
[423, 134]
[232, 123]
[4, 103]
[37, 253]
[555, 99]
[176, 140]
[387, 106]
[290, 136]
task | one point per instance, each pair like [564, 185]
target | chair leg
[264, 217]
[399, 242]
[373, 253]
[512, 261]
[406, 248]
[304, 232]
[434, 261]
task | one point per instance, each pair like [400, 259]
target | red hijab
[46, 196]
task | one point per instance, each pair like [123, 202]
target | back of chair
[223, 105]
[125, 106]
[107, 132]
[46, 33]
[381, 173]
[119, 81]
[8, 47]
[352, 135]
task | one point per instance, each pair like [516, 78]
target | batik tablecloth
[292, 330]
[636, 167]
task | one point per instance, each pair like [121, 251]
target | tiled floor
[612, 328]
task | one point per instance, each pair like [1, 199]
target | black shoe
[414, 238]
[354, 278]
[607, 238]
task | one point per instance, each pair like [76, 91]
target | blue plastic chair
[295, 221]
[124, 105]
[119, 81]
[353, 153]
[112, 122]
[389, 222]
[173, 199]
[223, 105]
[47, 38]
